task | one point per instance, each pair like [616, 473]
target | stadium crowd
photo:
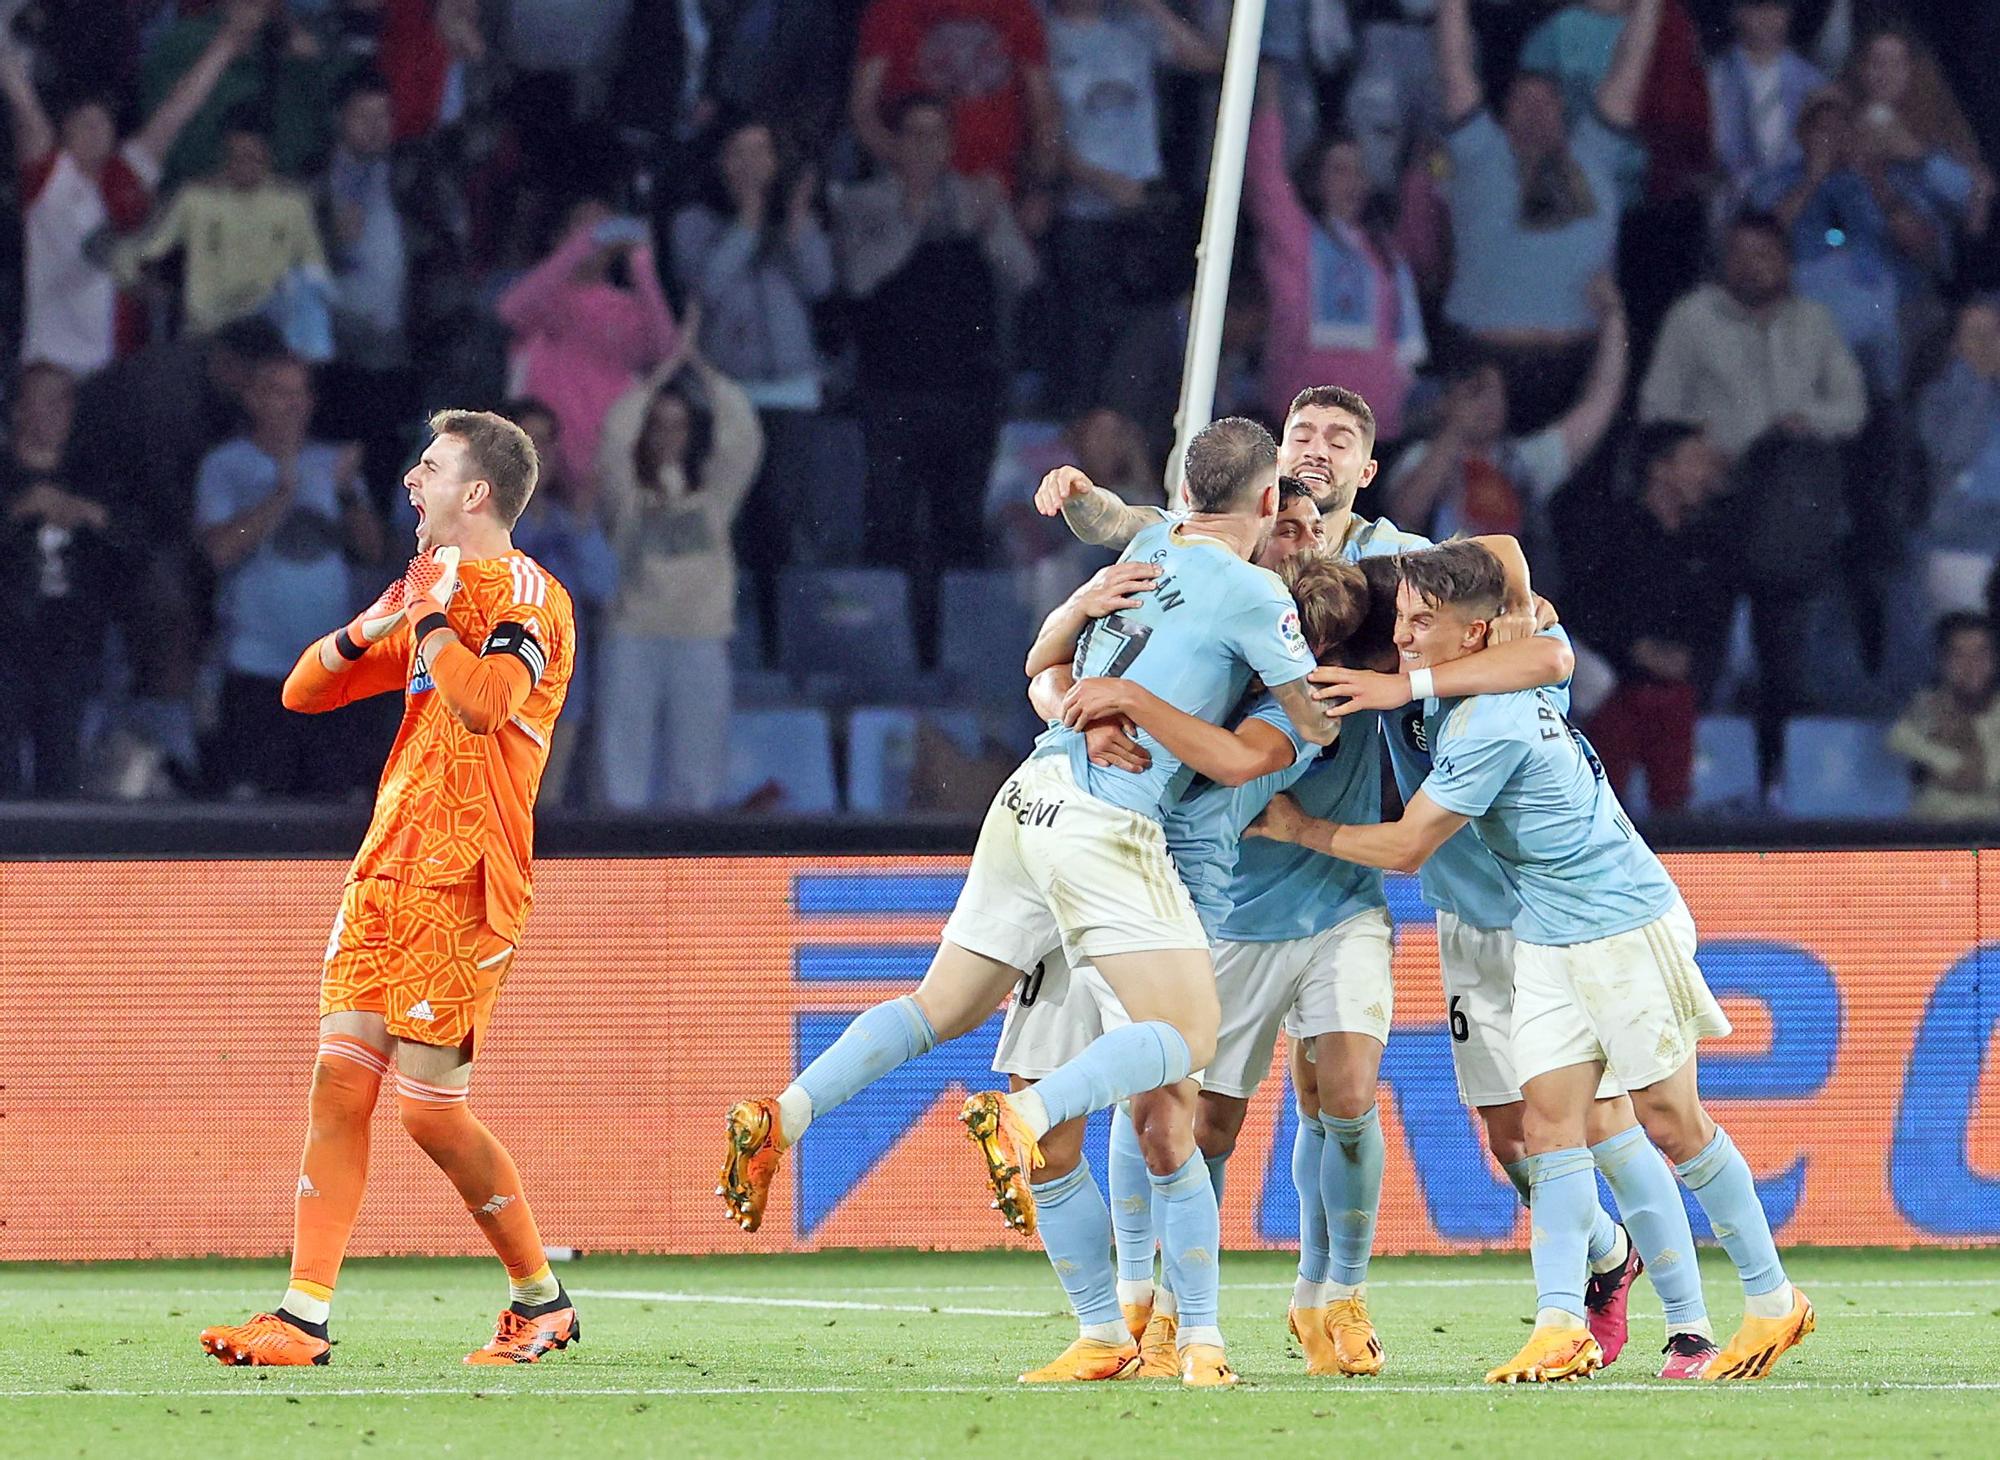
[1691, 296]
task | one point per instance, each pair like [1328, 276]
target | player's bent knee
[1611, 1117]
[1504, 1135]
[1218, 1120]
[961, 989]
[1062, 1151]
[1164, 1121]
[435, 1116]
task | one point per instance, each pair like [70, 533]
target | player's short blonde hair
[1332, 596]
[497, 452]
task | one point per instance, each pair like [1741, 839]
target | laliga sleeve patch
[511, 637]
[1291, 635]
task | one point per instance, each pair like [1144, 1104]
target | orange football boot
[266, 1339]
[750, 1162]
[1010, 1153]
[522, 1340]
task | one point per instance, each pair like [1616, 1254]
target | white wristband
[1421, 687]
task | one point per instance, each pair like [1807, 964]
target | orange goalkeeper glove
[430, 578]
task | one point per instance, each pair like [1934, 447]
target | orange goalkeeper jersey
[454, 801]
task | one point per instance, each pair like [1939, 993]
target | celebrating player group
[1189, 863]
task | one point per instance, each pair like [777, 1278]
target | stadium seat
[882, 748]
[981, 615]
[1725, 762]
[845, 632]
[784, 759]
[1839, 769]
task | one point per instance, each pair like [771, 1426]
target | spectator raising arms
[1950, 734]
[59, 562]
[242, 233]
[753, 255]
[678, 454]
[1534, 207]
[1104, 63]
[1343, 302]
[581, 338]
[931, 255]
[78, 181]
[985, 61]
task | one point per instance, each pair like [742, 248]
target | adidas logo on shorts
[421, 1011]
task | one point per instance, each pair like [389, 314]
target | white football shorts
[1636, 1001]
[1055, 864]
[1335, 982]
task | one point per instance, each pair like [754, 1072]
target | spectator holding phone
[583, 336]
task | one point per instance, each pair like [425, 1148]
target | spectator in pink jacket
[581, 339]
[1343, 303]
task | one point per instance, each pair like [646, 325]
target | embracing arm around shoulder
[1396, 846]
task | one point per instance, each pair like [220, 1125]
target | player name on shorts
[1039, 812]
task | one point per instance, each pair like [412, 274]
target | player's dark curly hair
[1228, 462]
[1458, 574]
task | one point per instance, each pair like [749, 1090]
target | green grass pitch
[904, 1354]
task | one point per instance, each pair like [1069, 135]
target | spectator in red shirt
[987, 59]
[76, 181]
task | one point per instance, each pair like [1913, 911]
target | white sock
[1135, 1292]
[1558, 1318]
[1211, 1336]
[1699, 1326]
[795, 1113]
[306, 1306]
[1035, 1115]
[1165, 1303]
[1305, 1294]
[1333, 1292]
[1774, 1304]
[1113, 1333]
[1621, 1249]
[536, 1288]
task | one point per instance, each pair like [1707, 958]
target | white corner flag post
[1218, 232]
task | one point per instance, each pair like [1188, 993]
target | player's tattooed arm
[1093, 514]
[1394, 846]
[1107, 591]
[1308, 716]
[1227, 757]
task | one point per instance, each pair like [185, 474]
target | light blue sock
[1350, 1184]
[1131, 1202]
[1651, 1204]
[1216, 1166]
[882, 1039]
[1191, 1235]
[1315, 1246]
[1518, 1172]
[1116, 1066]
[1075, 1227]
[1564, 1187]
[1720, 1179]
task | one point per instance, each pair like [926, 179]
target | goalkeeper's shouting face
[472, 481]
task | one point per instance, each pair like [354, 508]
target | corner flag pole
[1218, 232]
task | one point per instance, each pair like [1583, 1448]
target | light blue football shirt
[1204, 830]
[1536, 792]
[1462, 877]
[1379, 538]
[1210, 621]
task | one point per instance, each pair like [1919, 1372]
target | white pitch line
[1328, 1391]
[753, 1300]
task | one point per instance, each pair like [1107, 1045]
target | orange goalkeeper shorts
[421, 957]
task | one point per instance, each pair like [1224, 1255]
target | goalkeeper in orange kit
[480, 641]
